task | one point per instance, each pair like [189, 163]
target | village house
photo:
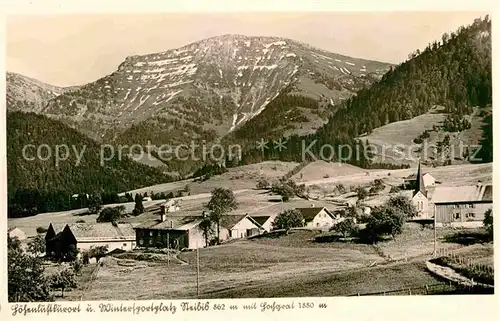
[60, 237]
[17, 232]
[181, 229]
[239, 226]
[462, 205]
[266, 221]
[318, 217]
[175, 232]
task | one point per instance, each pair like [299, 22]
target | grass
[416, 241]
[343, 283]
[290, 265]
[235, 265]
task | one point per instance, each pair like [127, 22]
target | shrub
[488, 222]
[395, 189]
[288, 219]
[361, 192]
[347, 227]
[111, 214]
[263, 184]
[41, 230]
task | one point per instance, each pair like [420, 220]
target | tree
[26, 279]
[347, 227]
[288, 219]
[385, 220]
[206, 228]
[95, 203]
[284, 189]
[98, 252]
[111, 214]
[72, 253]
[77, 266]
[404, 205]
[37, 245]
[139, 208]
[361, 192]
[488, 222]
[129, 197]
[263, 184]
[63, 280]
[221, 202]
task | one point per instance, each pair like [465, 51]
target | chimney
[312, 205]
[163, 216]
[163, 209]
[171, 224]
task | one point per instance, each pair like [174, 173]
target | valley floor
[291, 265]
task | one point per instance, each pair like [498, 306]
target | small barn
[17, 232]
[318, 217]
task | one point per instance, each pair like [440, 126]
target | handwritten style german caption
[24, 309]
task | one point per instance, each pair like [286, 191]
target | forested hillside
[454, 72]
[42, 185]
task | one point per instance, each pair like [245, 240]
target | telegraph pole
[197, 273]
[435, 232]
[168, 249]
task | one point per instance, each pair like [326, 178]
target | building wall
[322, 221]
[461, 212]
[429, 180]
[17, 233]
[196, 238]
[422, 205]
[244, 228]
[126, 245]
[268, 225]
[158, 238]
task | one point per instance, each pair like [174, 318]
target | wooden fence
[456, 258]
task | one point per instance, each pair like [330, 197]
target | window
[470, 215]
[150, 233]
[141, 242]
[124, 244]
[470, 205]
[317, 224]
[457, 216]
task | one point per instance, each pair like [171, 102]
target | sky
[67, 50]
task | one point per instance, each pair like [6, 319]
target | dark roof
[309, 213]
[231, 220]
[261, 219]
[171, 223]
[101, 231]
[420, 182]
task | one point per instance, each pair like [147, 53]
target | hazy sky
[77, 49]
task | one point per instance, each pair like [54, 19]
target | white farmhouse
[318, 217]
[239, 226]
